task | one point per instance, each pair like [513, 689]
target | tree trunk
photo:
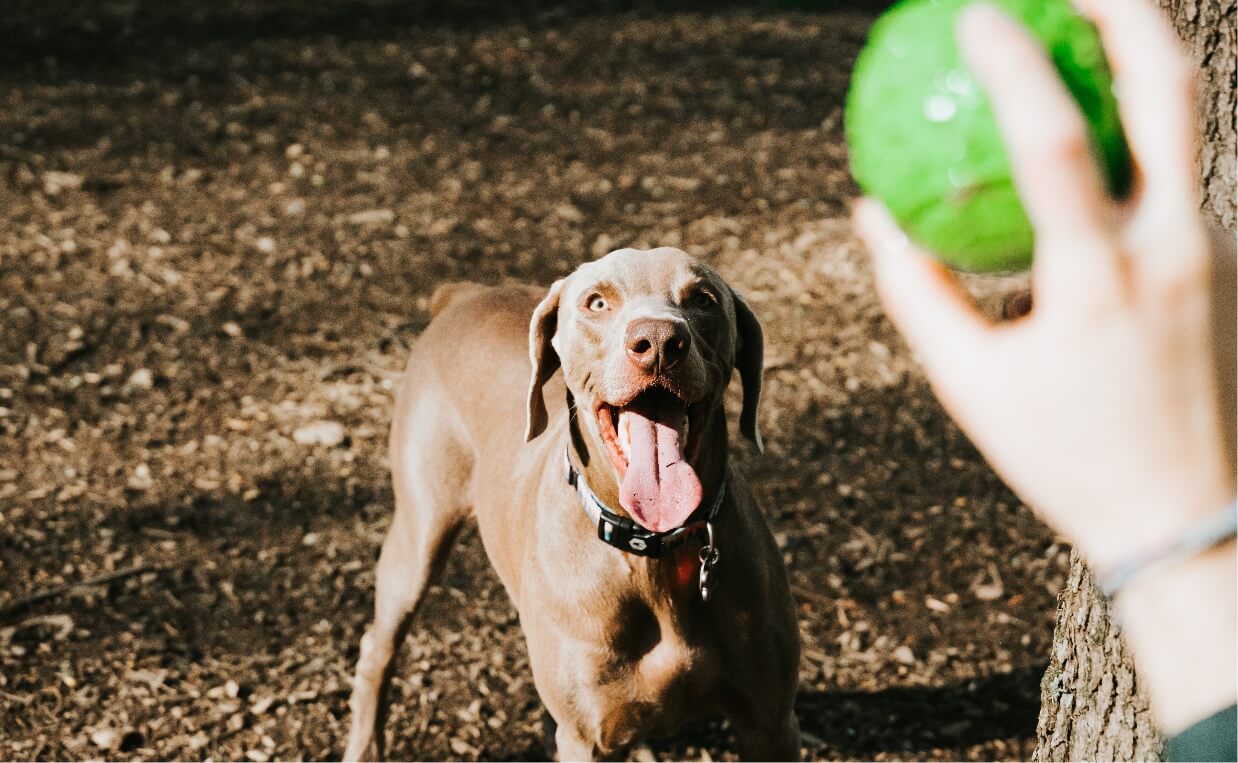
[1092, 706]
[1206, 28]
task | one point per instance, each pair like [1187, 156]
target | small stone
[141, 479]
[989, 591]
[372, 217]
[142, 379]
[105, 739]
[232, 329]
[904, 655]
[265, 244]
[55, 182]
[601, 245]
[327, 433]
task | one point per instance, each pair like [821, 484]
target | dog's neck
[594, 465]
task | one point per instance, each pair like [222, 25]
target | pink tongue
[660, 489]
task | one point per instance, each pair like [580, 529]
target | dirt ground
[221, 224]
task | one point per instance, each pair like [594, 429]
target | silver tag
[709, 557]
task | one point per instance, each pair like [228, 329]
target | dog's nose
[655, 344]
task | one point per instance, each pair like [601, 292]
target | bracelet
[1207, 533]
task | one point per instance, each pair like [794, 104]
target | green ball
[924, 141]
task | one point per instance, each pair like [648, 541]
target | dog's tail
[451, 292]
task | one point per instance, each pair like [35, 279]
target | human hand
[1099, 408]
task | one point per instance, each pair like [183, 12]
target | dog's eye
[597, 303]
[702, 299]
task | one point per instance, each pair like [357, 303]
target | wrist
[1151, 522]
[1199, 537]
[1180, 622]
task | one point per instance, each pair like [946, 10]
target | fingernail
[981, 12]
[1085, 7]
[977, 25]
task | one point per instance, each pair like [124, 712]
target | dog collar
[626, 535]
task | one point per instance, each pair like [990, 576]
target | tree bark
[1092, 706]
[1206, 28]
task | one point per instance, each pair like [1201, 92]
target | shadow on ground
[53, 38]
[906, 719]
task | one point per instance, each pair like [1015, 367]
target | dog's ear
[750, 362]
[543, 356]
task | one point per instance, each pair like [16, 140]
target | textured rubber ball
[923, 139]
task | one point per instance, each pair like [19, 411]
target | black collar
[626, 535]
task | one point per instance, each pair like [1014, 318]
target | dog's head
[648, 340]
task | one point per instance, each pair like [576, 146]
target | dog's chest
[651, 676]
[653, 645]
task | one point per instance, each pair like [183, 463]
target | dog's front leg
[768, 738]
[572, 748]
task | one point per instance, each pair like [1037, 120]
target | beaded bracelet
[1204, 534]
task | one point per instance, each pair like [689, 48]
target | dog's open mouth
[647, 440]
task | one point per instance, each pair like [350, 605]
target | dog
[649, 587]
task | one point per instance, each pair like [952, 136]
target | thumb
[921, 296]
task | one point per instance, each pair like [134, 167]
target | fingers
[1050, 154]
[1155, 87]
[920, 296]
[1155, 97]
